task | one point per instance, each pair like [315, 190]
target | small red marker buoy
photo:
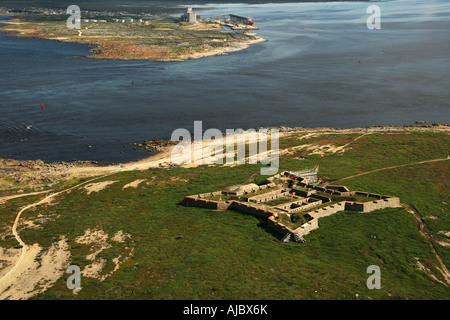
[42, 106]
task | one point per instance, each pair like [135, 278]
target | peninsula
[161, 38]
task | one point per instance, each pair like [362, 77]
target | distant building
[190, 16]
[309, 174]
[242, 20]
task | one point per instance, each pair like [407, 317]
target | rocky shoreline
[419, 126]
[37, 172]
[154, 145]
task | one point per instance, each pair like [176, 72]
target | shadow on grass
[262, 223]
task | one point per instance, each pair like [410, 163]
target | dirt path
[16, 222]
[357, 138]
[385, 168]
[421, 226]
[3, 199]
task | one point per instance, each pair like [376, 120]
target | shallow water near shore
[321, 66]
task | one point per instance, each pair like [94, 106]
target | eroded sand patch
[99, 241]
[120, 236]
[98, 186]
[179, 179]
[93, 270]
[323, 149]
[312, 148]
[445, 233]
[36, 222]
[38, 271]
[133, 184]
[8, 258]
[427, 271]
[444, 243]
[92, 236]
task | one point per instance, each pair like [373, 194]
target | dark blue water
[321, 66]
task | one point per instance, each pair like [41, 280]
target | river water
[321, 66]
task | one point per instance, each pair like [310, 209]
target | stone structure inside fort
[292, 202]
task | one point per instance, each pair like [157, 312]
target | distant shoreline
[130, 47]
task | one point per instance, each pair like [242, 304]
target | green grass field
[193, 253]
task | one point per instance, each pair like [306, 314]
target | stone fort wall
[346, 205]
[313, 224]
[193, 201]
[303, 230]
